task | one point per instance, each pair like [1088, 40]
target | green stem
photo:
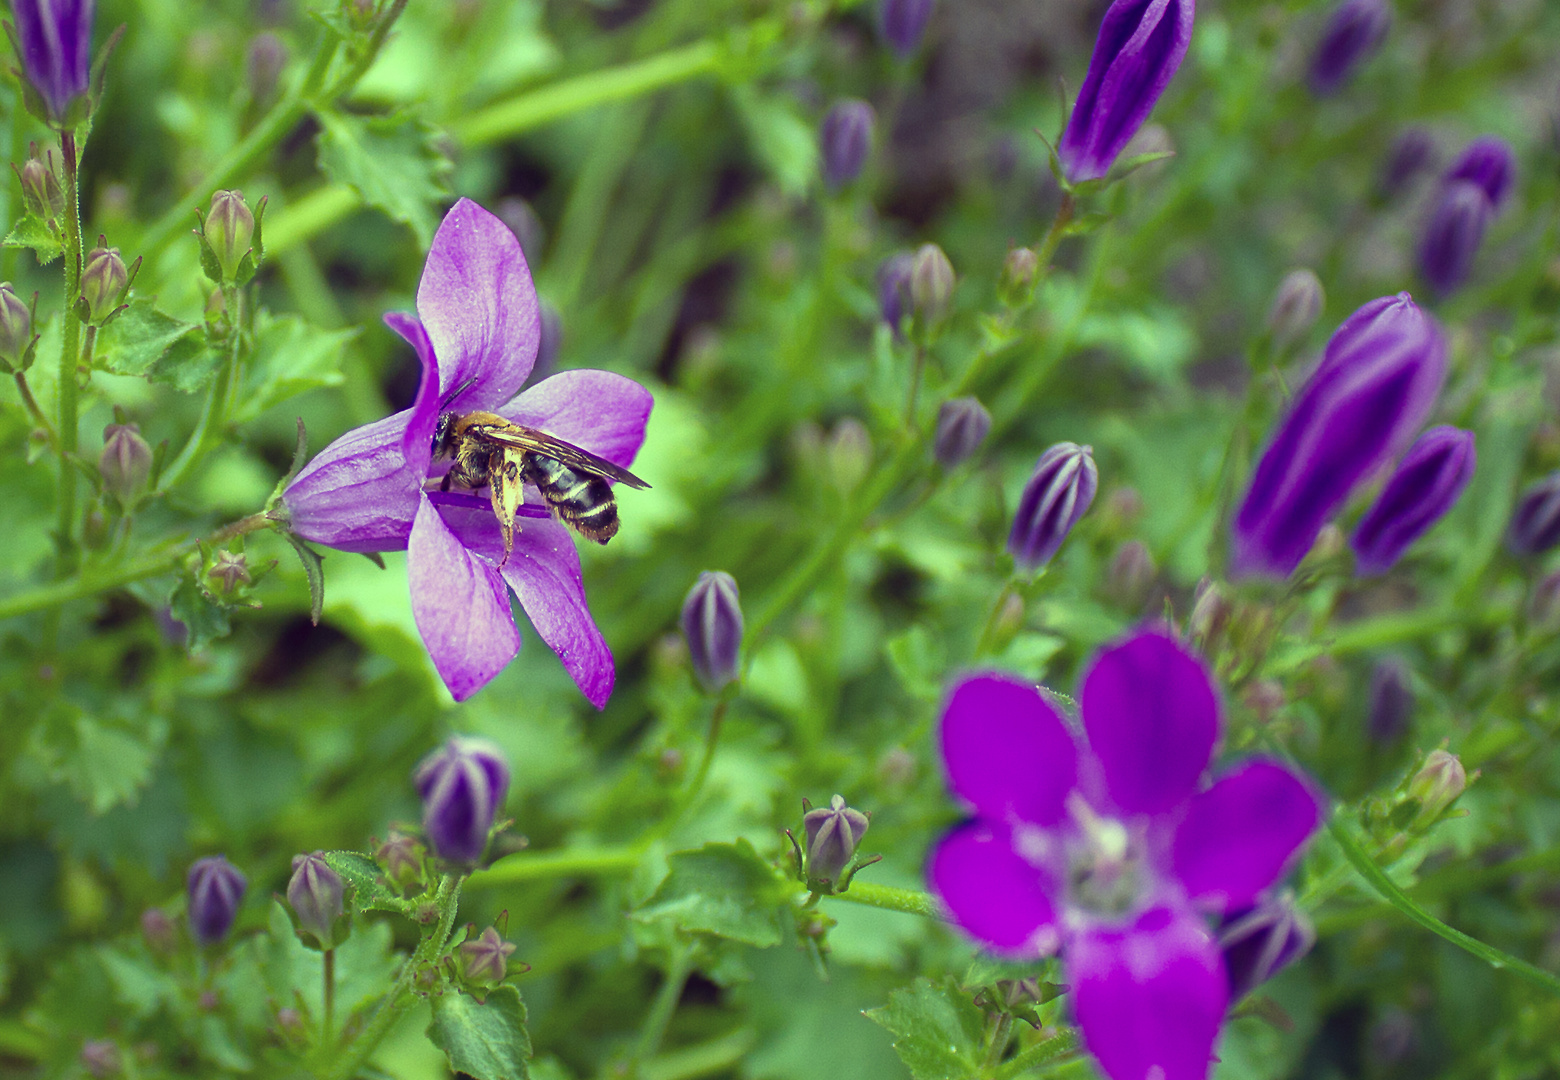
[1001, 1034]
[538, 866]
[711, 741]
[916, 370]
[208, 432]
[719, 1055]
[1039, 1054]
[330, 996]
[890, 898]
[70, 354]
[661, 1009]
[1395, 896]
[38, 415]
[376, 41]
[1053, 235]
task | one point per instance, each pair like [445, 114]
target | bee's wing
[525, 438]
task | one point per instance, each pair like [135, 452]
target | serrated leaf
[369, 891]
[203, 618]
[938, 1031]
[485, 1040]
[145, 342]
[786, 144]
[918, 661]
[393, 161]
[722, 889]
[33, 232]
[290, 357]
[104, 762]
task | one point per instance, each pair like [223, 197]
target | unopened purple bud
[1061, 489]
[1377, 381]
[712, 625]
[1412, 154]
[1296, 305]
[1140, 45]
[41, 189]
[54, 44]
[1535, 523]
[845, 140]
[229, 229]
[1488, 162]
[484, 959]
[125, 463]
[16, 329]
[316, 894]
[893, 286]
[1453, 235]
[1425, 485]
[903, 22]
[1391, 702]
[833, 834]
[401, 858]
[104, 279]
[931, 283]
[263, 67]
[463, 785]
[1262, 940]
[1354, 32]
[216, 888]
[962, 425]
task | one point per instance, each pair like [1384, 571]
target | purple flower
[1355, 31]
[845, 139]
[54, 42]
[1535, 523]
[216, 888]
[1376, 384]
[1453, 235]
[1425, 485]
[712, 626]
[1262, 940]
[476, 332]
[903, 22]
[1488, 162]
[316, 893]
[1057, 495]
[893, 289]
[1412, 153]
[1111, 849]
[463, 785]
[1140, 45]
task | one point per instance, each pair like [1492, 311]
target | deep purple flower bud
[1061, 489]
[229, 228]
[484, 960]
[125, 463]
[463, 785]
[104, 279]
[54, 44]
[263, 66]
[833, 834]
[316, 893]
[1412, 154]
[1296, 304]
[712, 625]
[893, 285]
[1535, 523]
[1488, 162]
[1391, 702]
[1140, 45]
[16, 330]
[1453, 234]
[903, 22]
[962, 425]
[1354, 32]
[1377, 382]
[216, 888]
[1261, 940]
[1425, 485]
[41, 189]
[845, 140]
[931, 283]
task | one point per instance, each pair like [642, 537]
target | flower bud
[1438, 783]
[1452, 236]
[1489, 163]
[845, 140]
[931, 283]
[962, 425]
[1391, 702]
[1296, 305]
[1019, 271]
[216, 888]
[1354, 33]
[903, 23]
[54, 43]
[1412, 153]
[484, 960]
[41, 189]
[1211, 611]
[1535, 523]
[893, 286]
[463, 786]
[1138, 50]
[229, 229]
[1261, 940]
[1377, 381]
[100, 1057]
[401, 858]
[833, 833]
[16, 330]
[850, 454]
[1131, 575]
[1061, 489]
[104, 281]
[158, 931]
[229, 571]
[712, 625]
[125, 463]
[315, 893]
[1425, 485]
[263, 66]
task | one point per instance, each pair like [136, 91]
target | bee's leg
[449, 478]
[507, 490]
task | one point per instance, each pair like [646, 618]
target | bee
[501, 456]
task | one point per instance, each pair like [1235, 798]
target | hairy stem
[890, 898]
[1001, 1035]
[39, 416]
[330, 996]
[208, 432]
[539, 866]
[70, 354]
[711, 741]
[662, 1008]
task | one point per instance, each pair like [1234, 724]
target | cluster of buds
[830, 859]
[105, 284]
[317, 896]
[231, 244]
[1019, 998]
[18, 342]
[43, 193]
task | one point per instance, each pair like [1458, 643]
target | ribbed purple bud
[903, 23]
[962, 425]
[1376, 384]
[893, 289]
[484, 959]
[1354, 33]
[216, 888]
[833, 834]
[845, 140]
[125, 463]
[1260, 941]
[54, 44]
[16, 329]
[1425, 485]
[1453, 235]
[712, 625]
[1488, 162]
[1535, 524]
[1061, 489]
[1391, 702]
[931, 283]
[1140, 45]
[316, 894]
[463, 785]
[1412, 154]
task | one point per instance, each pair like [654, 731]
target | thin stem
[711, 741]
[916, 369]
[1001, 1034]
[661, 1009]
[718, 1055]
[890, 898]
[1039, 1054]
[209, 429]
[539, 866]
[39, 417]
[376, 42]
[987, 631]
[330, 996]
[70, 352]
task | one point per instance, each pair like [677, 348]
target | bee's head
[444, 434]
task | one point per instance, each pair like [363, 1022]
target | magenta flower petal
[358, 494]
[1238, 835]
[1007, 751]
[479, 308]
[1149, 997]
[461, 605]
[992, 892]
[417, 442]
[1152, 718]
[595, 410]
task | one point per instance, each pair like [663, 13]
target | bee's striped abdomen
[583, 501]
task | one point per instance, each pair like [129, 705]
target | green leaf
[723, 889]
[290, 357]
[33, 232]
[938, 1031]
[486, 1040]
[918, 661]
[205, 619]
[314, 569]
[369, 891]
[104, 761]
[143, 341]
[786, 144]
[393, 161]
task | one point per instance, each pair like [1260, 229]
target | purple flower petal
[460, 604]
[1152, 718]
[55, 47]
[1238, 835]
[1422, 489]
[595, 410]
[358, 494]
[479, 308]
[417, 443]
[1149, 997]
[1007, 751]
[992, 893]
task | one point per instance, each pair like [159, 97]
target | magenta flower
[1112, 849]
[54, 42]
[476, 332]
